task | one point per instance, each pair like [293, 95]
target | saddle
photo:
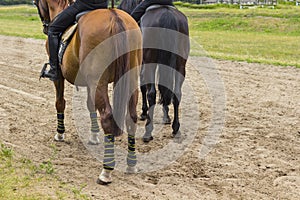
[155, 6]
[67, 36]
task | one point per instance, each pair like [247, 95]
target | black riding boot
[52, 74]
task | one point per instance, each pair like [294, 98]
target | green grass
[20, 21]
[261, 35]
[24, 180]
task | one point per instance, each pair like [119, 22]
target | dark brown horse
[166, 48]
[105, 48]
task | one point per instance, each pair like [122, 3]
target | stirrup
[44, 73]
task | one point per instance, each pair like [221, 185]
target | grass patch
[270, 36]
[259, 20]
[22, 21]
[21, 179]
[260, 48]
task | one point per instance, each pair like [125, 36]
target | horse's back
[94, 42]
[166, 17]
[165, 30]
[99, 25]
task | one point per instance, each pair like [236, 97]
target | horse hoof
[93, 141]
[143, 117]
[147, 139]
[59, 137]
[101, 182]
[105, 177]
[176, 135]
[131, 170]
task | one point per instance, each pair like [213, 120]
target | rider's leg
[59, 24]
[53, 41]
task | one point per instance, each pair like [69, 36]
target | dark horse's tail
[168, 59]
[121, 65]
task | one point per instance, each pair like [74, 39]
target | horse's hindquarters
[93, 49]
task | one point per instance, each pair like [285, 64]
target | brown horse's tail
[121, 65]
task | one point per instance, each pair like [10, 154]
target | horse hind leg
[166, 72]
[151, 96]
[131, 155]
[108, 125]
[131, 120]
[165, 100]
[166, 118]
[165, 87]
[179, 78]
[109, 160]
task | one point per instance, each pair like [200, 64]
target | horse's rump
[166, 35]
[169, 32]
[97, 46]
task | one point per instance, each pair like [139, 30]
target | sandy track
[256, 157]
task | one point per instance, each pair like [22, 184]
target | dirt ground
[255, 156]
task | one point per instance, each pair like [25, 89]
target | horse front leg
[93, 140]
[60, 108]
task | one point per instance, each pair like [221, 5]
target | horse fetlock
[149, 127]
[175, 126]
[166, 119]
[143, 116]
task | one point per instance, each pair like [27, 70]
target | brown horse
[105, 48]
[165, 51]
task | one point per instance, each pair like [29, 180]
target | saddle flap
[65, 39]
[68, 33]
